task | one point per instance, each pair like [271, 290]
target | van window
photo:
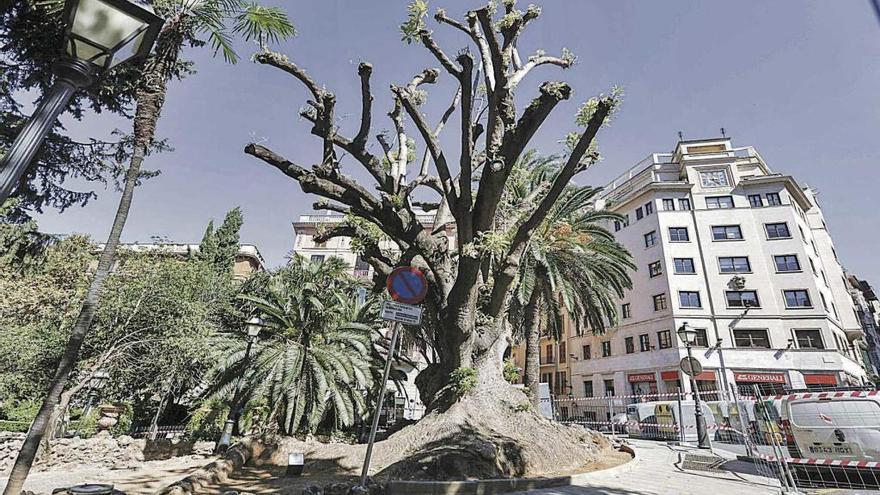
[836, 413]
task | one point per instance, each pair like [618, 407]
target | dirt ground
[144, 480]
[271, 479]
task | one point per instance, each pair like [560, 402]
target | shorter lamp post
[253, 330]
[99, 35]
[96, 383]
[688, 337]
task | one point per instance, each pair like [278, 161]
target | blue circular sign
[407, 284]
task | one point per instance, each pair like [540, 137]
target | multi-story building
[868, 312]
[735, 251]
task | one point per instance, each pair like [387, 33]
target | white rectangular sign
[401, 313]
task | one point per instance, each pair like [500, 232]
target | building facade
[868, 312]
[737, 252]
[248, 260]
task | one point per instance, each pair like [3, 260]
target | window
[547, 378]
[777, 230]
[719, 202]
[824, 278]
[689, 299]
[773, 199]
[664, 339]
[809, 339]
[684, 203]
[317, 258]
[660, 302]
[587, 352]
[679, 234]
[625, 311]
[655, 269]
[751, 338]
[734, 264]
[834, 310]
[588, 389]
[562, 354]
[606, 348]
[787, 263]
[713, 178]
[649, 208]
[639, 213]
[798, 298]
[684, 265]
[617, 225]
[824, 302]
[726, 233]
[815, 249]
[644, 342]
[626, 220]
[630, 345]
[560, 385]
[700, 340]
[609, 387]
[548, 354]
[742, 299]
[813, 267]
[651, 238]
[668, 204]
[755, 200]
[803, 237]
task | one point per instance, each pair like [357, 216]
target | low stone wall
[99, 451]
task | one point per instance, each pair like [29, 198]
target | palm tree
[314, 362]
[187, 22]
[572, 267]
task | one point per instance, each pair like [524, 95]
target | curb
[495, 486]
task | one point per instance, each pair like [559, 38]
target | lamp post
[99, 35]
[253, 330]
[688, 337]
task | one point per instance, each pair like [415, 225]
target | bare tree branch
[535, 61]
[364, 71]
[438, 53]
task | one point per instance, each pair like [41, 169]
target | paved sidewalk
[654, 472]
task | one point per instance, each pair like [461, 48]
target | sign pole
[381, 400]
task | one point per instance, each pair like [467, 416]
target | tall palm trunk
[532, 325]
[149, 101]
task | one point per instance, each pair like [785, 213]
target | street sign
[407, 284]
[691, 366]
[401, 313]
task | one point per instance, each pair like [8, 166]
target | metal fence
[803, 439]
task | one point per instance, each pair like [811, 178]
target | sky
[798, 80]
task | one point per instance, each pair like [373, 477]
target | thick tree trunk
[532, 325]
[150, 99]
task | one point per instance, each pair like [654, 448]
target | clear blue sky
[798, 80]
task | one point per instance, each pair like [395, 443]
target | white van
[842, 428]
[658, 419]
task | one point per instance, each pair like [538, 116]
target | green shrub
[463, 380]
[511, 371]
[123, 427]
[14, 426]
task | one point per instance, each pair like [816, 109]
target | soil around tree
[492, 434]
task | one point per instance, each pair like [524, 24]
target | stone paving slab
[654, 472]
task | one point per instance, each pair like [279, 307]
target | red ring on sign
[418, 292]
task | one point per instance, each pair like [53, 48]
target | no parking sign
[407, 285]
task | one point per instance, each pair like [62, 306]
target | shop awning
[708, 375]
[759, 377]
[817, 379]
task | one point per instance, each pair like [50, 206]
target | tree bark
[149, 101]
[531, 323]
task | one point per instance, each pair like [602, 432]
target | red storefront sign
[759, 377]
[641, 377]
[673, 375]
[820, 379]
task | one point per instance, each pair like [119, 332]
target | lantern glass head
[106, 33]
[687, 334]
[254, 325]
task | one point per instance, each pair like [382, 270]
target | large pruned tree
[472, 281]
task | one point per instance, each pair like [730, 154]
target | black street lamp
[688, 337]
[99, 35]
[254, 325]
